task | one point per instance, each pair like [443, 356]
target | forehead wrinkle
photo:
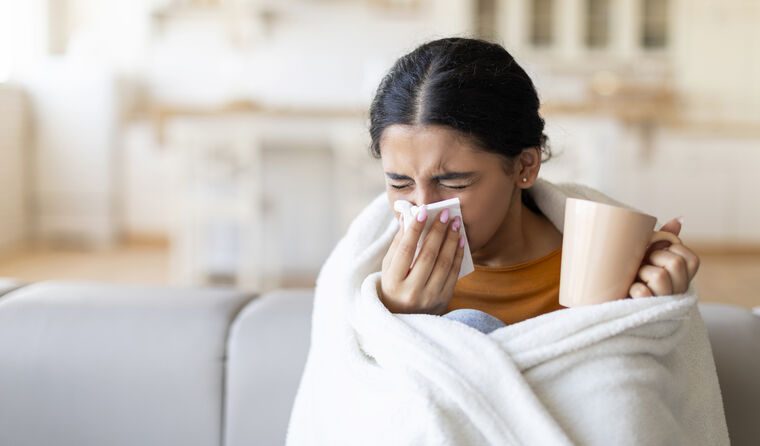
[429, 169]
[435, 169]
[433, 150]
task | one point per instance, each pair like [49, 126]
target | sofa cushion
[102, 364]
[267, 352]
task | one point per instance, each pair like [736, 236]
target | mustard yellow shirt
[512, 293]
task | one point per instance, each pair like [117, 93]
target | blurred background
[224, 142]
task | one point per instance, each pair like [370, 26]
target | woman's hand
[428, 286]
[667, 270]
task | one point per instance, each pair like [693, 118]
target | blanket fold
[634, 371]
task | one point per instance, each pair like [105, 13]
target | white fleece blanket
[634, 371]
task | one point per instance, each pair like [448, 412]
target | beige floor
[136, 264]
[730, 278]
[723, 277]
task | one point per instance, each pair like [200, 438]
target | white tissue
[410, 213]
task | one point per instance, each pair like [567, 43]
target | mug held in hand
[410, 213]
[602, 249]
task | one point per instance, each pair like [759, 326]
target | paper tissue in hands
[409, 212]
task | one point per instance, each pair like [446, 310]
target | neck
[523, 236]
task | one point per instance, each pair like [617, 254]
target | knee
[466, 315]
[475, 318]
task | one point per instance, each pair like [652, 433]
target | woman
[459, 118]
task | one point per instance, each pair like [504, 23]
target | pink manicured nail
[455, 225]
[444, 216]
[422, 214]
[461, 241]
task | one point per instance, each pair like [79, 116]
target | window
[597, 23]
[654, 24]
[542, 23]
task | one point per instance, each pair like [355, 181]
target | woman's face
[425, 164]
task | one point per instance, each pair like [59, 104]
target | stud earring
[525, 180]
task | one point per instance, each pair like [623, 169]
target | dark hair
[470, 85]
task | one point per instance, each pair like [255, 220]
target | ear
[527, 167]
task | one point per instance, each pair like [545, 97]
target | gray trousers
[476, 319]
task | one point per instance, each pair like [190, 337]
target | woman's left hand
[666, 270]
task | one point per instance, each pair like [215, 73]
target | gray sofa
[85, 363]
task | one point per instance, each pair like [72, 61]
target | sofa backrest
[735, 339]
[267, 350]
[92, 364]
[99, 364]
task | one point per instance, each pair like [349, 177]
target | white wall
[716, 58]
[711, 178]
[75, 110]
[330, 54]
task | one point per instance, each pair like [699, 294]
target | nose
[425, 195]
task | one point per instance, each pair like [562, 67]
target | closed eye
[402, 186]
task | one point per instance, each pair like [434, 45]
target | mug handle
[658, 236]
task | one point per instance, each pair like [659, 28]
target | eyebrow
[444, 176]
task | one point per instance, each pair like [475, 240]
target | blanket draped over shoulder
[633, 371]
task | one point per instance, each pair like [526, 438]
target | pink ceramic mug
[602, 249]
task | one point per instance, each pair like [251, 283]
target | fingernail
[455, 225]
[680, 219]
[461, 241]
[422, 214]
[444, 216]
